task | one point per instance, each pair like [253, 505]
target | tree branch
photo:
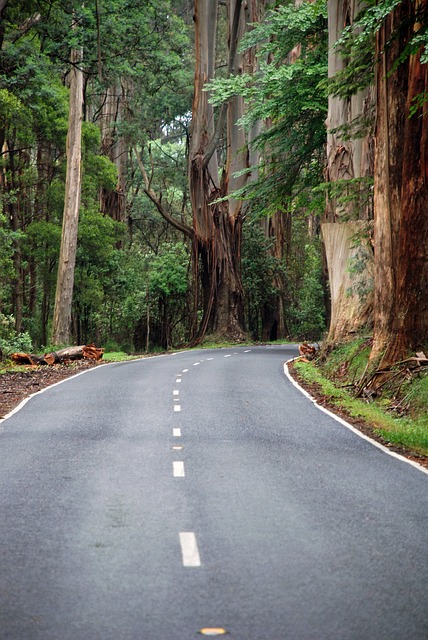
[177, 224]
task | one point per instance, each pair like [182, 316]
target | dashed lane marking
[176, 432]
[178, 469]
[189, 549]
[175, 392]
[177, 407]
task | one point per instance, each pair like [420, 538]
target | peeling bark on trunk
[217, 225]
[346, 160]
[349, 315]
[401, 193]
[67, 258]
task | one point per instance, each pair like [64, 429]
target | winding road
[202, 494]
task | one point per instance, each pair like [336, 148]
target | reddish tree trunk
[401, 192]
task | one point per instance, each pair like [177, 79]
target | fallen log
[27, 358]
[86, 351]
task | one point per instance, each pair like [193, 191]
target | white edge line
[80, 373]
[348, 425]
[55, 384]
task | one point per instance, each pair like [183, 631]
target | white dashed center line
[178, 380]
[195, 364]
[210, 358]
[228, 356]
[177, 407]
[175, 392]
[178, 469]
[176, 432]
[189, 549]
[185, 370]
[247, 351]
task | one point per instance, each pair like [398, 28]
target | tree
[285, 58]
[347, 222]
[388, 40]
[217, 224]
[67, 259]
[401, 184]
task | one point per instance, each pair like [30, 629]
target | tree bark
[347, 159]
[112, 202]
[401, 191]
[67, 258]
[217, 225]
[88, 352]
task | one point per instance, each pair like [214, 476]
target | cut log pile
[86, 351]
[307, 352]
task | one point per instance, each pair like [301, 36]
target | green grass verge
[118, 356]
[411, 432]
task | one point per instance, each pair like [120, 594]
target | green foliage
[260, 270]
[357, 45]
[307, 314]
[287, 94]
[169, 268]
[10, 340]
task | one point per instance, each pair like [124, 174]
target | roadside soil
[16, 386]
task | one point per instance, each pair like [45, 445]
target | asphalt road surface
[197, 493]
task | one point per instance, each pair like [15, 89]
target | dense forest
[173, 169]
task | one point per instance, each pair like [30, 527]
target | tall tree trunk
[217, 225]
[112, 202]
[351, 307]
[401, 191]
[67, 258]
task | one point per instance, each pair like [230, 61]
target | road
[154, 499]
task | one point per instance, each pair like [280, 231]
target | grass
[343, 368]
[118, 356]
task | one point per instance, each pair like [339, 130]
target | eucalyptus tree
[388, 41]
[217, 139]
[401, 182]
[285, 109]
[61, 324]
[348, 220]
